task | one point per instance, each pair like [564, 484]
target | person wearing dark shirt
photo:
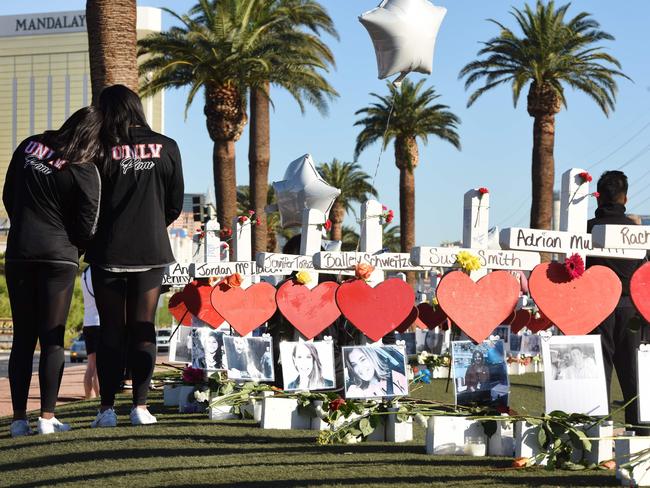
[619, 342]
[51, 193]
[143, 194]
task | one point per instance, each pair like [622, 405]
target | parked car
[162, 339]
[78, 350]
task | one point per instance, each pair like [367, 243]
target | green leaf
[366, 427]
[541, 436]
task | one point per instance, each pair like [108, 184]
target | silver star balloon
[302, 187]
[403, 33]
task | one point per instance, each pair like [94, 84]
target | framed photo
[409, 342]
[515, 343]
[180, 346]
[431, 341]
[531, 345]
[480, 373]
[643, 364]
[307, 366]
[249, 358]
[374, 371]
[574, 375]
[503, 331]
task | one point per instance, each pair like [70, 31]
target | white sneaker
[107, 418]
[142, 416]
[20, 428]
[50, 426]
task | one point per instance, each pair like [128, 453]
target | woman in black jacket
[51, 193]
[143, 194]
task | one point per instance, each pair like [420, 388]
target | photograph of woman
[374, 371]
[196, 345]
[213, 348]
[480, 373]
[307, 366]
[51, 194]
[249, 358]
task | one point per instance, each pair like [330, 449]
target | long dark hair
[77, 140]
[122, 109]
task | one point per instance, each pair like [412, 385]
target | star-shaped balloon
[302, 187]
[404, 35]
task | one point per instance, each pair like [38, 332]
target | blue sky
[496, 138]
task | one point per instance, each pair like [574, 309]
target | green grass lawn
[188, 451]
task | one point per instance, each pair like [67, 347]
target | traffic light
[198, 209]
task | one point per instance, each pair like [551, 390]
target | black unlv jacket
[143, 194]
[53, 205]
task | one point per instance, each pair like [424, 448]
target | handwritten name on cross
[476, 208]
[573, 237]
[370, 249]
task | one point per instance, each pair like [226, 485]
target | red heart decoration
[576, 306]
[409, 321]
[431, 317]
[244, 309]
[640, 290]
[520, 320]
[542, 323]
[309, 311]
[178, 309]
[197, 300]
[375, 311]
[478, 308]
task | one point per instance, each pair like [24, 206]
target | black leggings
[126, 300]
[40, 295]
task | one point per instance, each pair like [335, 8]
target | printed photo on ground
[480, 373]
[374, 371]
[574, 375]
[307, 366]
[249, 358]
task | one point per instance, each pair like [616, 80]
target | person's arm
[175, 187]
[8, 191]
[89, 189]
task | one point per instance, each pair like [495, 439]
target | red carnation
[336, 404]
[586, 177]
[251, 212]
[242, 219]
[328, 225]
[483, 190]
[257, 221]
[596, 194]
[225, 233]
[390, 216]
[575, 266]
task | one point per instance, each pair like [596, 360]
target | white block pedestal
[171, 395]
[626, 446]
[455, 436]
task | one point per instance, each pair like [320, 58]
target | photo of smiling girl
[375, 371]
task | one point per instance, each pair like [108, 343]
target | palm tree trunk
[337, 215]
[112, 44]
[543, 175]
[259, 156]
[225, 182]
[406, 155]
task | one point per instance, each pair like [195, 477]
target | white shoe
[50, 426]
[107, 418]
[20, 428]
[142, 416]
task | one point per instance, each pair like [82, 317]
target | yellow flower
[303, 277]
[468, 261]
[434, 302]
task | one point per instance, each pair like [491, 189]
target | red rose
[336, 404]
[242, 219]
[586, 177]
[483, 190]
[596, 194]
[328, 225]
[251, 212]
[257, 221]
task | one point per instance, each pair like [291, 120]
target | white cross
[622, 236]
[476, 208]
[573, 237]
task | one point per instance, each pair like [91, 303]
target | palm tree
[222, 47]
[301, 79]
[551, 53]
[349, 239]
[406, 114]
[391, 239]
[112, 43]
[355, 188]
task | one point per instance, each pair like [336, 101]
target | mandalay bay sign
[46, 23]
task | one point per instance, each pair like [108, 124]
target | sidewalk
[72, 388]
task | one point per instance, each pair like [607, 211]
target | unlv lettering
[40, 151]
[137, 151]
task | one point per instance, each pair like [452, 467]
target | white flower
[350, 439]
[201, 396]
[420, 419]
